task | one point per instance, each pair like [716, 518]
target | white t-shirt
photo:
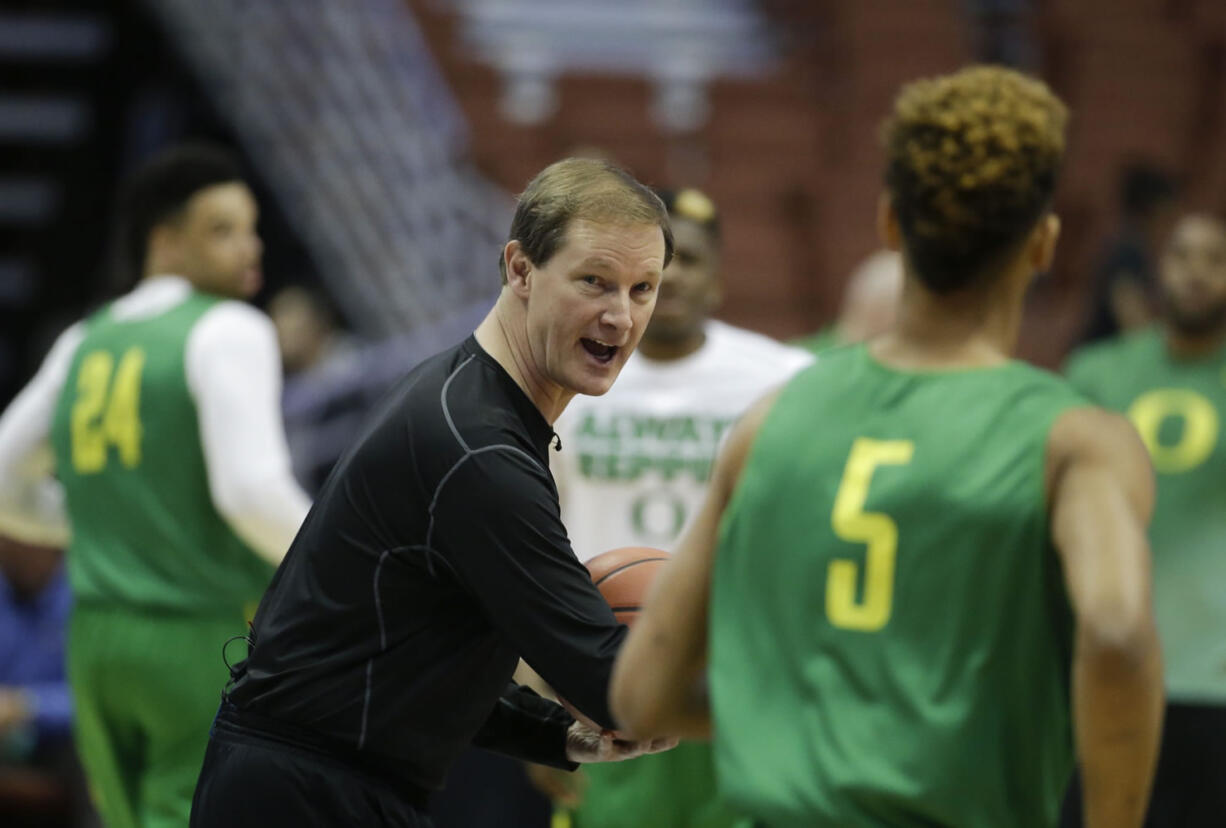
[634, 463]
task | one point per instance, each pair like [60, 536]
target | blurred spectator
[1003, 32]
[870, 301]
[1170, 380]
[1122, 294]
[324, 406]
[40, 781]
[307, 331]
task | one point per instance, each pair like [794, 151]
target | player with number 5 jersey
[922, 573]
[162, 411]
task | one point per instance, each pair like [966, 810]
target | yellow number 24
[854, 525]
[107, 413]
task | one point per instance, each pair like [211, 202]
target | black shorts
[1190, 782]
[254, 780]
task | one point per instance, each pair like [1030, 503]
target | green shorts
[145, 689]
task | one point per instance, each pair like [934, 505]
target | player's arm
[234, 372]
[658, 686]
[1102, 492]
[31, 502]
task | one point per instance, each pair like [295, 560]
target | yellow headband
[694, 205]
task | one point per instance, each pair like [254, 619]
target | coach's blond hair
[972, 162]
[581, 188]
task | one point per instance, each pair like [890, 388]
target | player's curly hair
[972, 162]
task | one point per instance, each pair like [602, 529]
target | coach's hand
[585, 743]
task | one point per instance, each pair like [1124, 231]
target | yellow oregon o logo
[1199, 434]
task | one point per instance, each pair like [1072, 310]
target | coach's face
[588, 305]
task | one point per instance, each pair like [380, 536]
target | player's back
[890, 637]
[127, 444]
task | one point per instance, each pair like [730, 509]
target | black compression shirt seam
[443, 401]
[468, 452]
[429, 549]
[370, 662]
[468, 455]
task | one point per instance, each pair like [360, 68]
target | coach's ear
[518, 268]
[888, 230]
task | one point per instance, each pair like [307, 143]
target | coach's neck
[504, 336]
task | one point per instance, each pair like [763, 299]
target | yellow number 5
[107, 413]
[878, 531]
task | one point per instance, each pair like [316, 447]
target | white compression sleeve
[234, 373]
[31, 501]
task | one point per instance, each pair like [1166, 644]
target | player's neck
[963, 330]
[1182, 345]
[507, 343]
[669, 350]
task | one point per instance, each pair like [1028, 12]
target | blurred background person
[307, 332]
[869, 306]
[162, 411]
[40, 779]
[1170, 380]
[325, 399]
[1124, 288]
[632, 469]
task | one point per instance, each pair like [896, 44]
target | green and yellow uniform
[819, 342]
[890, 635]
[1178, 406]
[159, 579]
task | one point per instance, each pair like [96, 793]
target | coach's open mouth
[599, 350]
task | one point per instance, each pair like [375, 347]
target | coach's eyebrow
[597, 263]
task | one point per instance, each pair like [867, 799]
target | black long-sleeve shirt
[434, 558]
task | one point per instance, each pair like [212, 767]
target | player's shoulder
[229, 330]
[1107, 353]
[1034, 396]
[1096, 436]
[1040, 378]
[753, 348]
[233, 315]
[70, 338]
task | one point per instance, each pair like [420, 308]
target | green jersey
[146, 535]
[890, 637]
[821, 341]
[1177, 407]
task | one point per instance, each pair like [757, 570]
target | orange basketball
[624, 575]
